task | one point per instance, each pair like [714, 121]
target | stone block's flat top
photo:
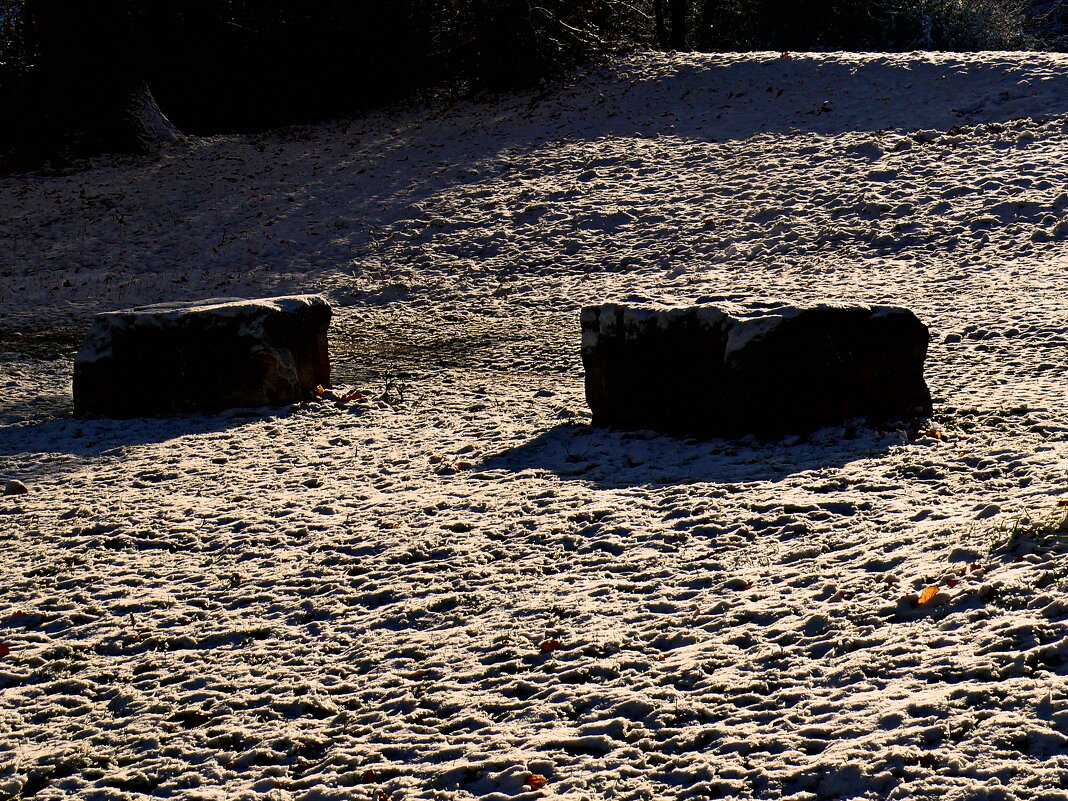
[248, 314]
[733, 309]
[221, 307]
[740, 322]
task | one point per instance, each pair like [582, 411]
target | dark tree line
[859, 25]
[81, 76]
[94, 75]
[87, 88]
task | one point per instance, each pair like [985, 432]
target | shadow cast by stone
[98, 437]
[629, 458]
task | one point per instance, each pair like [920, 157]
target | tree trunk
[661, 27]
[680, 10]
[88, 89]
[709, 13]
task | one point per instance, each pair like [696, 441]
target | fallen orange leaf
[927, 595]
[536, 781]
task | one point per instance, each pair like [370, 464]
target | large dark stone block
[202, 357]
[719, 371]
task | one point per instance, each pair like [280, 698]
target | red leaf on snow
[4, 650]
[933, 433]
[952, 583]
[1062, 502]
[549, 646]
[18, 615]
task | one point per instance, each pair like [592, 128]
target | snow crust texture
[448, 583]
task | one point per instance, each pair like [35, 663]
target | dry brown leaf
[536, 781]
[928, 594]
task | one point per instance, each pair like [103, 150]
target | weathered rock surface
[726, 371]
[202, 357]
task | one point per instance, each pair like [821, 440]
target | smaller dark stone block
[719, 371]
[202, 357]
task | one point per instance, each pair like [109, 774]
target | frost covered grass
[359, 599]
[1030, 530]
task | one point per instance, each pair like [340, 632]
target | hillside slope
[456, 584]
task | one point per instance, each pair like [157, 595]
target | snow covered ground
[457, 587]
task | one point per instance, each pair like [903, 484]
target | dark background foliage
[239, 65]
[875, 25]
[226, 65]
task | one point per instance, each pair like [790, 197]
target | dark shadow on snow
[388, 165]
[90, 438]
[620, 459]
